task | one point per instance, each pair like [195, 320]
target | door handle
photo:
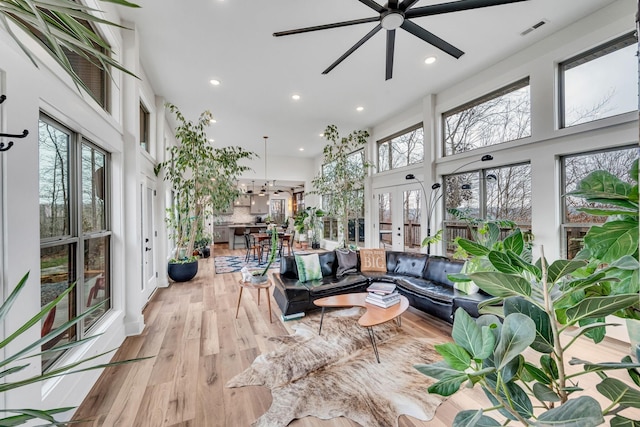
[147, 249]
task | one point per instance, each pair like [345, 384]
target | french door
[398, 225]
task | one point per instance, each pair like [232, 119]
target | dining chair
[238, 232]
[252, 246]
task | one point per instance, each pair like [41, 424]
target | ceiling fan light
[392, 20]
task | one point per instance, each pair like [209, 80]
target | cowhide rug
[336, 374]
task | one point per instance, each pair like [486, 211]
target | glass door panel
[411, 214]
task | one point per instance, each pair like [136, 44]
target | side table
[259, 286]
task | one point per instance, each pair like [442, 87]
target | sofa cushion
[438, 268]
[288, 267]
[308, 267]
[328, 263]
[426, 288]
[373, 260]
[410, 264]
[331, 286]
[347, 262]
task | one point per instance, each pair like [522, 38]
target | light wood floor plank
[199, 345]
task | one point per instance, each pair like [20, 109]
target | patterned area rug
[336, 375]
[231, 264]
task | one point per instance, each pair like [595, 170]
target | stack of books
[382, 294]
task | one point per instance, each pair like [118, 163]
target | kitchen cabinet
[259, 205]
[221, 233]
[243, 201]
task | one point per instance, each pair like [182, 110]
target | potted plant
[342, 177]
[203, 180]
[260, 276]
[315, 230]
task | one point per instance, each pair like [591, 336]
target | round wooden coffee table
[373, 315]
[249, 285]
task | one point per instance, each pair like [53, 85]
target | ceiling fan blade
[392, 4]
[391, 40]
[406, 4]
[326, 26]
[432, 39]
[373, 5]
[454, 6]
[353, 48]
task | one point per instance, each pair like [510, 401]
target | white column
[134, 321]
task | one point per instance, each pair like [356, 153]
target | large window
[74, 231]
[574, 168]
[602, 82]
[144, 127]
[501, 116]
[403, 149]
[488, 194]
[351, 202]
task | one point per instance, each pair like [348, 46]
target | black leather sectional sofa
[422, 279]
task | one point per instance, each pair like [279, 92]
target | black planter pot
[183, 272]
[206, 252]
[315, 246]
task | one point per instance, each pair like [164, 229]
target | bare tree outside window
[502, 116]
[54, 180]
[404, 149]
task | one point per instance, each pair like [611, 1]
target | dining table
[285, 239]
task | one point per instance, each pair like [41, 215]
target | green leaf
[438, 370]
[613, 240]
[537, 373]
[512, 369]
[448, 385]
[544, 393]
[454, 355]
[595, 307]
[544, 334]
[8, 303]
[501, 285]
[620, 421]
[502, 262]
[514, 242]
[561, 268]
[467, 334]
[516, 396]
[617, 391]
[518, 332]
[582, 411]
[473, 248]
[549, 366]
[474, 418]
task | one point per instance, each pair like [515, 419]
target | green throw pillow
[308, 267]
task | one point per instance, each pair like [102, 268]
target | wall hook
[10, 135]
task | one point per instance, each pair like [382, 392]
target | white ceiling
[186, 43]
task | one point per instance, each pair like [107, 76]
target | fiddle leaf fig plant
[536, 303]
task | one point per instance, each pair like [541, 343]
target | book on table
[383, 300]
[383, 303]
[381, 288]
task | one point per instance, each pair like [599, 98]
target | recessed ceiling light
[295, 97]
[301, 149]
[214, 82]
[321, 134]
[212, 140]
[213, 121]
[430, 60]
[360, 109]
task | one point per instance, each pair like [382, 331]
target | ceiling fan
[396, 14]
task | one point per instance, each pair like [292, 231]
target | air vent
[533, 27]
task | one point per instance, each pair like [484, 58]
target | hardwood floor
[199, 345]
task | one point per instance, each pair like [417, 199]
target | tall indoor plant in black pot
[203, 179]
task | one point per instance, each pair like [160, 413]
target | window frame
[389, 139]
[504, 90]
[600, 51]
[77, 238]
[580, 228]
[145, 128]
